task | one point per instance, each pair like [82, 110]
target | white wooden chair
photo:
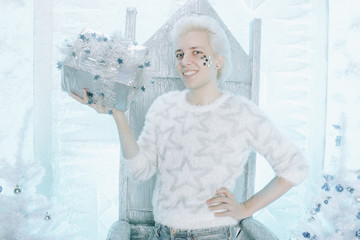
[135, 210]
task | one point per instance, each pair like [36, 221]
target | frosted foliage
[344, 85]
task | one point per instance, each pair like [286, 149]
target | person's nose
[187, 60]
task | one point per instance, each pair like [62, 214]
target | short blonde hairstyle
[217, 38]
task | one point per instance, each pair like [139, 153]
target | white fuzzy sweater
[195, 150]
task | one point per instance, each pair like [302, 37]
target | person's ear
[219, 62]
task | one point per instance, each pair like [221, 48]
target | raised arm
[127, 140]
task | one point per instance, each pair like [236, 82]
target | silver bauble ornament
[47, 217]
[17, 189]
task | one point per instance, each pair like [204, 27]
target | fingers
[95, 104]
[226, 192]
[223, 206]
[84, 100]
[222, 214]
[217, 200]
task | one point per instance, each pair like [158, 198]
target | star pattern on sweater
[165, 113]
[211, 149]
[187, 127]
[172, 142]
[188, 171]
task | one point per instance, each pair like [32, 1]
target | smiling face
[196, 61]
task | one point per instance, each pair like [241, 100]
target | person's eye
[179, 56]
[197, 52]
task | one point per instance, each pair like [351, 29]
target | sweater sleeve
[284, 157]
[143, 166]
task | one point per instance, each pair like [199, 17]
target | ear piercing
[207, 61]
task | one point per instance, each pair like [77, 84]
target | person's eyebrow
[196, 47]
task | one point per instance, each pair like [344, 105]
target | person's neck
[203, 96]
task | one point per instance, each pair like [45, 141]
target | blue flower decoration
[120, 61]
[96, 77]
[143, 88]
[306, 234]
[358, 215]
[147, 64]
[102, 61]
[141, 66]
[326, 187]
[357, 234]
[339, 188]
[73, 54]
[326, 201]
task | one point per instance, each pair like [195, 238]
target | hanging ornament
[17, 189]
[326, 187]
[47, 217]
[357, 234]
[358, 215]
[313, 211]
[350, 189]
[339, 188]
[313, 237]
[306, 234]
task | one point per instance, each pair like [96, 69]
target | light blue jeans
[162, 232]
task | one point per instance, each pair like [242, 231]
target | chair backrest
[135, 200]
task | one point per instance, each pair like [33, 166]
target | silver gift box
[111, 70]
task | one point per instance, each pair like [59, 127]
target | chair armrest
[252, 229]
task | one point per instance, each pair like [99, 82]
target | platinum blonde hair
[217, 38]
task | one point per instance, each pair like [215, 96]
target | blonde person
[198, 140]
